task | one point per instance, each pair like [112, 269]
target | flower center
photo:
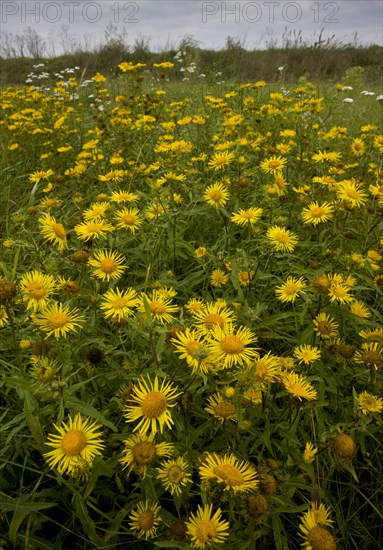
[73, 442]
[324, 328]
[229, 474]
[59, 231]
[146, 520]
[216, 194]
[118, 303]
[260, 371]
[212, 320]
[320, 539]
[144, 452]
[281, 237]
[157, 308]
[129, 219]
[372, 358]
[154, 404]
[204, 530]
[274, 164]
[224, 409]
[193, 347]
[58, 319]
[291, 288]
[108, 265]
[175, 474]
[231, 344]
[317, 212]
[37, 291]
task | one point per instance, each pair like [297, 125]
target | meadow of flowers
[191, 321]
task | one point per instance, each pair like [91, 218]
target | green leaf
[88, 410]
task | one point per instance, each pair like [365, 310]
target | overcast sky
[165, 22]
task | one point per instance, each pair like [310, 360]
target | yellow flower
[249, 216]
[140, 452]
[360, 309]
[306, 354]
[241, 476]
[107, 265]
[191, 347]
[357, 147]
[206, 529]
[36, 177]
[291, 289]
[298, 386]
[145, 519]
[273, 165]
[37, 289]
[92, 230]
[221, 408]
[220, 160]
[325, 325]
[369, 403]
[78, 441]
[219, 278]
[53, 231]
[128, 218]
[350, 192]
[153, 404]
[119, 304]
[229, 345]
[309, 453]
[174, 475]
[328, 156]
[212, 315]
[282, 239]
[58, 320]
[339, 292]
[124, 196]
[97, 211]
[370, 354]
[315, 213]
[159, 306]
[216, 195]
[263, 371]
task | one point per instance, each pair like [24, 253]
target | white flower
[365, 92]
[379, 98]
[348, 100]
[346, 88]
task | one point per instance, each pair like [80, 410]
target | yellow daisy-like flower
[298, 386]
[141, 451]
[216, 195]
[53, 231]
[328, 156]
[107, 264]
[153, 404]
[360, 309]
[316, 213]
[124, 196]
[306, 354]
[372, 334]
[221, 408]
[160, 306]
[309, 453]
[229, 345]
[92, 229]
[206, 529]
[213, 315]
[145, 519]
[319, 538]
[313, 529]
[37, 289]
[174, 475]
[191, 346]
[119, 304]
[219, 278]
[36, 177]
[96, 211]
[220, 160]
[58, 320]
[325, 325]
[263, 371]
[78, 441]
[291, 289]
[128, 218]
[339, 292]
[246, 217]
[357, 147]
[194, 305]
[370, 354]
[241, 476]
[282, 239]
[350, 192]
[369, 403]
[273, 165]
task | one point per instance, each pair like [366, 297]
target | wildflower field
[191, 324]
